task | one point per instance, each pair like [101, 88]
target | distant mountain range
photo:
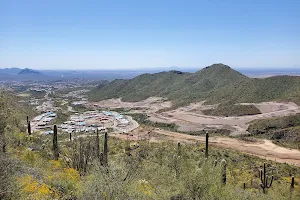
[36, 75]
[29, 72]
[216, 83]
[13, 74]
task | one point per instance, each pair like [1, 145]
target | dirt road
[262, 148]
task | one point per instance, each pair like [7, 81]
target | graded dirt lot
[190, 118]
[152, 104]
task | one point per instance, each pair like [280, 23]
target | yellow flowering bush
[65, 179]
[31, 189]
[145, 187]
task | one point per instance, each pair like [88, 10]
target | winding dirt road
[261, 148]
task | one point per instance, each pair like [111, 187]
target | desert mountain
[216, 83]
[29, 72]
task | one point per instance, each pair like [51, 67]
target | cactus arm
[270, 182]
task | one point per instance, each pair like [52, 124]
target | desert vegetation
[215, 84]
[282, 130]
[102, 167]
[106, 168]
[98, 166]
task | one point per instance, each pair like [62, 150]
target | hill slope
[216, 83]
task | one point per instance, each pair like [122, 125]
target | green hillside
[282, 130]
[216, 83]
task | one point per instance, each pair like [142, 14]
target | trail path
[261, 148]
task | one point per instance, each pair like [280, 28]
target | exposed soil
[190, 118]
[187, 116]
[261, 148]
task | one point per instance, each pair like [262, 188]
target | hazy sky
[114, 34]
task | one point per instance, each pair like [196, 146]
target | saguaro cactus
[3, 144]
[97, 153]
[206, 145]
[87, 156]
[29, 128]
[224, 167]
[101, 158]
[293, 182]
[105, 151]
[178, 149]
[55, 144]
[70, 136]
[265, 179]
[177, 160]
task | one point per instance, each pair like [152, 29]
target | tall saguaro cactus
[206, 145]
[292, 186]
[97, 146]
[29, 128]
[55, 144]
[265, 179]
[105, 151]
[293, 182]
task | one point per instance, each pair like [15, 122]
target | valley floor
[191, 118]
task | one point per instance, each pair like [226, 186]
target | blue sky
[144, 34]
